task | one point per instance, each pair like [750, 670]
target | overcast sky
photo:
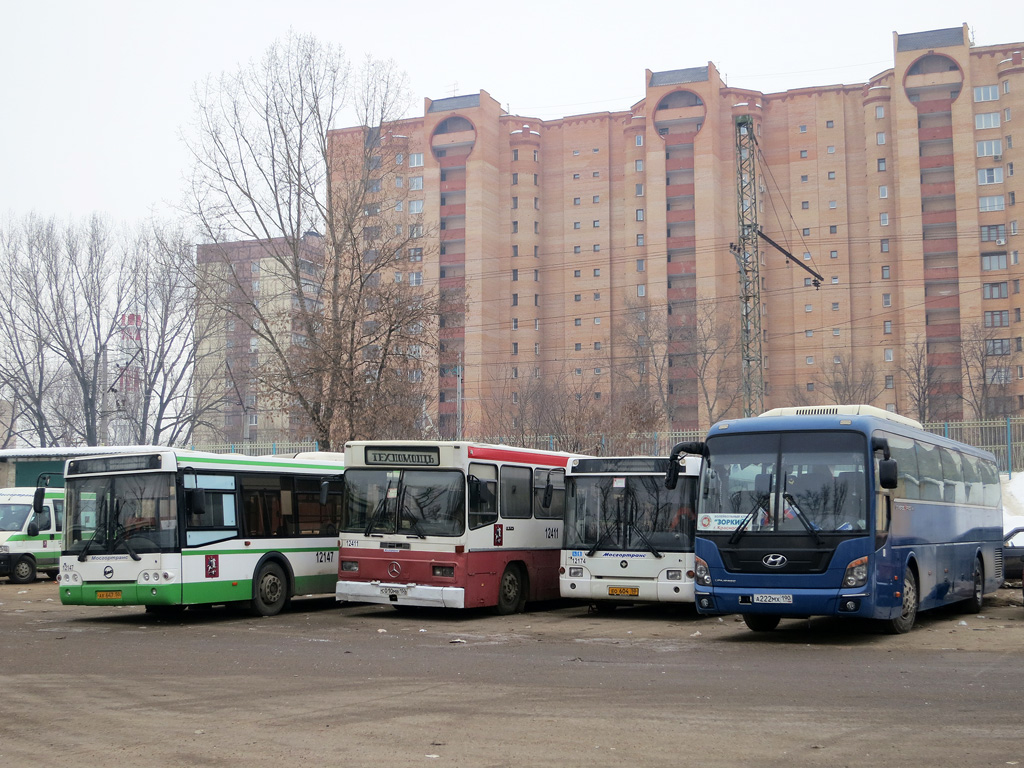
[96, 93]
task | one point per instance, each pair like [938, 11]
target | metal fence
[1003, 437]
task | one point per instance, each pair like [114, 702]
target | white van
[30, 541]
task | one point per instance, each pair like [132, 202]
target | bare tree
[843, 381]
[923, 380]
[644, 338]
[987, 361]
[716, 364]
[341, 340]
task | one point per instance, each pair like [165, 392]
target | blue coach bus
[843, 510]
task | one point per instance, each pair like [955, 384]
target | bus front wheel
[977, 599]
[24, 571]
[270, 590]
[908, 611]
[511, 594]
[757, 622]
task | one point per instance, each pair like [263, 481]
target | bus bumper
[400, 594]
[622, 591]
[795, 603]
[120, 593]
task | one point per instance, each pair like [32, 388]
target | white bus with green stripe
[169, 529]
[29, 539]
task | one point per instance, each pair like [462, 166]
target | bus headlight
[4, 549]
[674, 575]
[575, 572]
[856, 573]
[701, 574]
[350, 565]
[447, 571]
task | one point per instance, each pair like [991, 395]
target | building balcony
[680, 215]
[452, 283]
[936, 161]
[682, 293]
[935, 107]
[944, 359]
[453, 161]
[940, 274]
[453, 235]
[678, 243]
[938, 217]
[939, 331]
[679, 163]
[932, 303]
[938, 189]
[458, 185]
[678, 190]
[940, 247]
[448, 258]
[446, 408]
[932, 79]
[453, 139]
[938, 133]
[453, 210]
[447, 334]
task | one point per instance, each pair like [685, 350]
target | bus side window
[929, 464]
[516, 493]
[483, 499]
[902, 451]
[58, 513]
[43, 520]
[556, 509]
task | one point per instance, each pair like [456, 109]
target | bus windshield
[784, 483]
[629, 513]
[411, 501]
[12, 516]
[122, 514]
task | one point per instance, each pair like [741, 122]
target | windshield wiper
[85, 550]
[802, 517]
[600, 541]
[410, 516]
[645, 540]
[747, 520]
[381, 505]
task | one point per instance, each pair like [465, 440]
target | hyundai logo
[108, 572]
[394, 569]
[774, 561]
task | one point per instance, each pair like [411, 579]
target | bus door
[211, 515]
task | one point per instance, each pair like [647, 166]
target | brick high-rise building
[597, 247]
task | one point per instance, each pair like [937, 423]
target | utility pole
[746, 255]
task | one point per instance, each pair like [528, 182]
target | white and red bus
[450, 524]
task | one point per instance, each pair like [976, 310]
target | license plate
[113, 595]
[773, 598]
[394, 590]
[624, 591]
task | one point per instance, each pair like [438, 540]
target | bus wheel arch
[513, 589]
[272, 585]
[904, 621]
[24, 570]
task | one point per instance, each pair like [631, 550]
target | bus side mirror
[672, 475]
[33, 529]
[197, 501]
[888, 477]
[325, 487]
[37, 500]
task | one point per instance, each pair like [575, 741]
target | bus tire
[977, 598]
[270, 590]
[24, 571]
[908, 611]
[760, 622]
[511, 592]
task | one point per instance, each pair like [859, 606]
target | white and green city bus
[29, 538]
[169, 529]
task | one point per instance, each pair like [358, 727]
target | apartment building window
[886, 299]
[806, 231]
[515, 179]
[515, 323]
[415, 182]
[884, 245]
[415, 206]
[515, 251]
[415, 278]
[833, 204]
[887, 354]
[597, 273]
[597, 247]
[577, 321]
[810, 386]
[575, 176]
[415, 159]
[597, 345]
[803, 129]
[990, 176]
[804, 178]
[515, 275]
[536, 180]
[986, 93]
[803, 153]
[578, 346]
[639, 265]
[515, 155]
[879, 112]
[993, 261]
[890, 382]
[808, 307]
[809, 334]
[536, 299]
[887, 327]
[835, 279]
[880, 137]
[576, 249]
[515, 347]
[990, 148]
[997, 319]
[536, 155]
[639, 190]
[995, 290]
[641, 290]
[805, 205]
[515, 227]
[881, 164]
[576, 201]
[835, 331]
[809, 360]
[986, 120]
[515, 202]
[575, 225]
[577, 297]
[639, 140]
[639, 239]
[536, 227]
[536, 275]
[835, 306]
[639, 214]
[883, 191]
[833, 254]
[990, 232]
[883, 219]
[596, 174]
[597, 223]
[831, 175]
[536, 348]
[829, 124]
[991, 203]
[833, 229]
[885, 272]
[515, 299]
[597, 199]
